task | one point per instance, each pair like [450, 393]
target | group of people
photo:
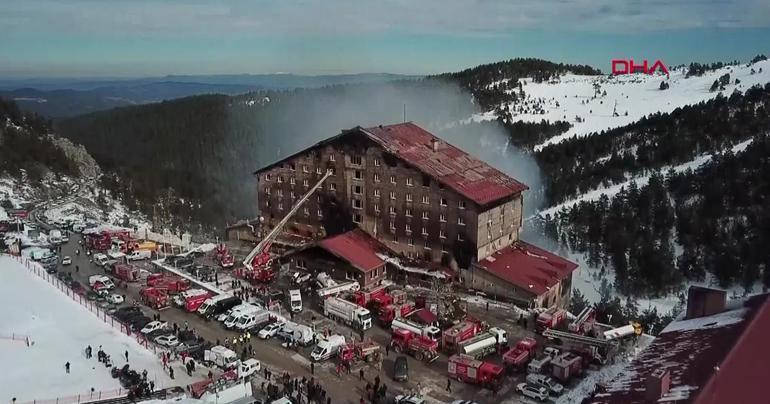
[299, 390]
[376, 392]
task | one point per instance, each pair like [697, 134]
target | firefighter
[67, 367]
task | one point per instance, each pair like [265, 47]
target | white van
[248, 368]
[105, 281]
[100, 259]
[116, 255]
[327, 348]
[139, 255]
[229, 315]
[251, 320]
[295, 300]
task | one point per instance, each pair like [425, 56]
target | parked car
[270, 330]
[410, 399]
[401, 369]
[536, 392]
[66, 260]
[115, 298]
[154, 326]
[167, 340]
[545, 381]
[51, 269]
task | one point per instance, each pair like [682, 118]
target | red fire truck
[517, 358]
[465, 368]
[421, 347]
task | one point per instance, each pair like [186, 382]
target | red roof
[712, 359]
[355, 247]
[528, 267]
[456, 169]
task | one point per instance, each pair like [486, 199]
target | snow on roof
[728, 349]
[415, 270]
[528, 267]
[105, 227]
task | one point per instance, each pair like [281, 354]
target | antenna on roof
[404, 112]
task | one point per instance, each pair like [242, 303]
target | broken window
[425, 181]
[355, 160]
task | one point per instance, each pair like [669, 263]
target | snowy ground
[637, 94]
[61, 329]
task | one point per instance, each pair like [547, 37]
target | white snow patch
[713, 321]
[637, 94]
[60, 329]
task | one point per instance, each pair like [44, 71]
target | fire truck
[224, 257]
[155, 298]
[458, 333]
[373, 298]
[364, 351]
[257, 265]
[387, 314]
[126, 272]
[550, 319]
[466, 369]
[421, 347]
[517, 358]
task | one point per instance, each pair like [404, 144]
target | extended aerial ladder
[259, 260]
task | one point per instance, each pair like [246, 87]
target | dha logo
[621, 66]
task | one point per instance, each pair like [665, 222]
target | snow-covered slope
[60, 329]
[637, 95]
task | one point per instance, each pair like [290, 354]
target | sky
[133, 38]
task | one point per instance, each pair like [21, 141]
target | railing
[102, 314]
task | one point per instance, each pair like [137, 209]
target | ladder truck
[257, 263]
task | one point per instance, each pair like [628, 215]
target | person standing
[67, 367]
[171, 372]
[312, 368]
[127, 353]
[361, 374]
[449, 385]
[387, 350]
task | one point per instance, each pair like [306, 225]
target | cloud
[343, 17]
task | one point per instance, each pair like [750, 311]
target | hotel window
[280, 193]
[267, 177]
[392, 179]
[331, 157]
[320, 213]
[376, 162]
[392, 210]
[358, 174]
[395, 238]
[392, 195]
[332, 186]
[377, 208]
[301, 264]
[442, 234]
[376, 177]
[443, 201]
[305, 169]
[411, 241]
[280, 179]
[267, 191]
[267, 203]
[461, 204]
[292, 195]
[357, 189]
[292, 167]
[291, 180]
[442, 218]
[355, 160]
[425, 181]
[377, 193]
[459, 237]
[318, 170]
[392, 225]
[305, 183]
[333, 170]
[357, 204]
[409, 197]
[409, 182]
[408, 212]
[306, 210]
[425, 215]
[427, 245]
[357, 218]
[461, 221]
[424, 231]
[280, 206]
[408, 228]
[425, 199]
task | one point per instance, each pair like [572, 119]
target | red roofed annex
[415, 194]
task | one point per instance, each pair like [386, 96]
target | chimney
[703, 302]
[434, 144]
[658, 384]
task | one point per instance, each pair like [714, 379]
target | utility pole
[404, 112]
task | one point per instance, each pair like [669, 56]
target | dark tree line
[715, 216]
[578, 165]
[25, 144]
[490, 83]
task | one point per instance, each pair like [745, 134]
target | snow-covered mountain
[588, 103]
